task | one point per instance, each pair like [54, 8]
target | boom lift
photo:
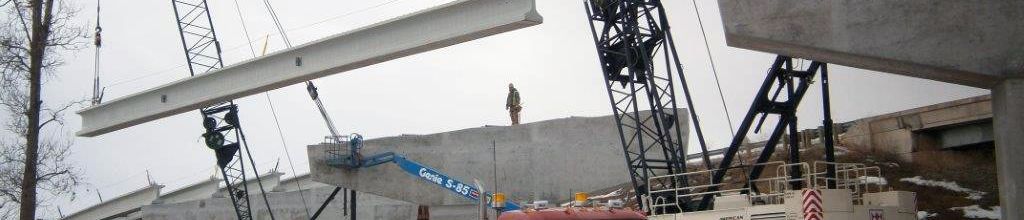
[352, 158]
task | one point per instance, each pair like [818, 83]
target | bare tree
[33, 37]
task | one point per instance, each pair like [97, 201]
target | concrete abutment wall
[546, 160]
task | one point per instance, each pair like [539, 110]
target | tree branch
[21, 16]
[33, 37]
[47, 176]
[56, 115]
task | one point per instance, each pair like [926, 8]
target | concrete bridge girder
[426, 30]
[962, 42]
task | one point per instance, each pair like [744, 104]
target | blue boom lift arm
[355, 160]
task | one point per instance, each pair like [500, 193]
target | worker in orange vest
[512, 104]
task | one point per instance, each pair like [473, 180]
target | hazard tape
[812, 204]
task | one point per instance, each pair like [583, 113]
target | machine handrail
[782, 178]
[858, 178]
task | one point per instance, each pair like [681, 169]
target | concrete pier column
[1008, 117]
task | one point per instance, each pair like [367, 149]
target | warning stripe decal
[812, 204]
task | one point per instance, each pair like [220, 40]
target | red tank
[573, 214]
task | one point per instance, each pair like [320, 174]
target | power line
[147, 75]
[119, 182]
[245, 29]
[344, 15]
[250, 42]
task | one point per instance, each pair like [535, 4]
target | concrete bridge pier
[1008, 119]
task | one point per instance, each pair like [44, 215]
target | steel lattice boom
[223, 130]
[630, 36]
[779, 96]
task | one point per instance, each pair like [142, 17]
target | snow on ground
[976, 211]
[615, 193]
[922, 215]
[701, 159]
[891, 164]
[840, 150]
[949, 185]
[873, 180]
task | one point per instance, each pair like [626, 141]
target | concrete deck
[546, 160]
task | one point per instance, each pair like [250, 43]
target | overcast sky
[462, 86]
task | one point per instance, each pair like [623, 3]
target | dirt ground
[971, 167]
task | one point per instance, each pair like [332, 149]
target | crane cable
[312, 90]
[277, 23]
[310, 87]
[714, 71]
[97, 92]
[273, 111]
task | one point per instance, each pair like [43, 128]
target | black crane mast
[223, 131]
[629, 36]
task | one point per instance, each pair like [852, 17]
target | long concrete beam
[426, 30]
[972, 43]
